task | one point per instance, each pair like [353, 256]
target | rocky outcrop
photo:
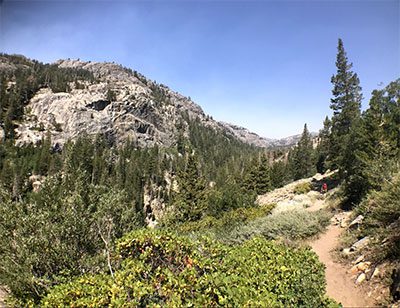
[291, 141]
[249, 137]
[286, 198]
[119, 104]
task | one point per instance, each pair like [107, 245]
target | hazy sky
[265, 65]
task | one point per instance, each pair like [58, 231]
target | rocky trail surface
[341, 283]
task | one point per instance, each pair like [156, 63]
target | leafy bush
[158, 268]
[291, 225]
[265, 270]
[86, 291]
[302, 188]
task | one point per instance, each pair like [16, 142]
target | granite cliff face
[118, 103]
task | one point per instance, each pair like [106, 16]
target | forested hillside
[79, 192]
[76, 197]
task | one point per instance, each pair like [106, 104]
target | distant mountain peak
[252, 138]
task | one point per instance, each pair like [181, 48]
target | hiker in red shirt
[324, 188]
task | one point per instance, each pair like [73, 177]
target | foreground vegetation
[158, 268]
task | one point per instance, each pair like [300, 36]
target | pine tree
[355, 161]
[346, 104]
[263, 184]
[43, 158]
[391, 122]
[258, 178]
[322, 151]
[302, 156]
[278, 174]
[372, 148]
[190, 203]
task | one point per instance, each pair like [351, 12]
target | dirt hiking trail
[340, 284]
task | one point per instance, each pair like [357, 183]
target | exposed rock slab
[138, 109]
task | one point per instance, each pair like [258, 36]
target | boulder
[360, 244]
[36, 186]
[341, 219]
[2, 135]
[363, 266]
[317, 177]
[360, 267]
[359, 259]
[360, 278]
[375, 273]
[356, 222]
[347, 251]
[150, 222]
[354, 270]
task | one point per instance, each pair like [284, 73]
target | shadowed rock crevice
[99, 105]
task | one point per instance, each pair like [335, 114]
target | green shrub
[86, 291]
[382, 217]
[158, 268]
[58, 233]
[227, 221]
[291, 225]
[263, 269]
[302, 188]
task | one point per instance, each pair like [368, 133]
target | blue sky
[265, 65]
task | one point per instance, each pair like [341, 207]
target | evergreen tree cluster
[302, 157]
[363, 146]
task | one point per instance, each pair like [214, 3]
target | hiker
[324, 188]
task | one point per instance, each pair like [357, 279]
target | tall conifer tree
[322, 152]
[303, 156]
[372, 150]
[190, 202]
[346, 104]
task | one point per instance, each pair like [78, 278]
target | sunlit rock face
[120, 104]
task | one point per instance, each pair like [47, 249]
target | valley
[131, 195]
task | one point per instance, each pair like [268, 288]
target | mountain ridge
[119, 103]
